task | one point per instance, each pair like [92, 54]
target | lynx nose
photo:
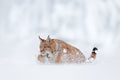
[48, 55]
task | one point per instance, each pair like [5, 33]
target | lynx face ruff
[58, 51]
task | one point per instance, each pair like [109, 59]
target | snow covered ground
[82, 23]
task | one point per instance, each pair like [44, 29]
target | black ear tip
[48, 36]
[40, 38]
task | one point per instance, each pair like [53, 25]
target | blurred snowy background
[82, 23]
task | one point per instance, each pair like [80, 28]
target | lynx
[58, 51]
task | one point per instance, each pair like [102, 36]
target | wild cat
[58, 51]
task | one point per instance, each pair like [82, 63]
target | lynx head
[47, 47]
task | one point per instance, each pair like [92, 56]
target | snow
[82, 23]
[70, 72]
[64, 50]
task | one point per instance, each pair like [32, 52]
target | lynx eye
[45, 46]
[48, 46]
[41, 46]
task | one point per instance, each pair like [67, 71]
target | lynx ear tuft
[41, 38]
[48, 39]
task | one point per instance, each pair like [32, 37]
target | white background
[82, 23]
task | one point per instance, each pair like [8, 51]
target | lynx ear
[41, 38]
[48, 39]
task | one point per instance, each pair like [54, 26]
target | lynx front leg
[58, 58]
[40, 58]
